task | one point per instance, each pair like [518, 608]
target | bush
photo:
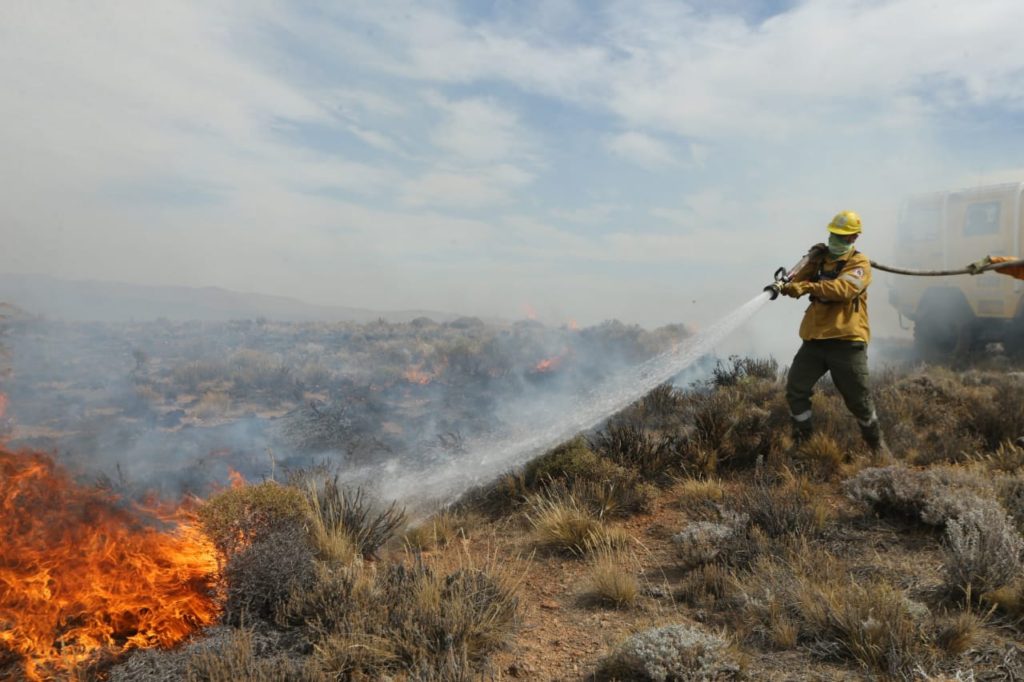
[339, 511]
[739, 369]
[571, 460]
[261, 576]
[790, 507]
[236, 658]
[703, 541]
[403, 618]
[675, 652]
[811, 598]
[932, 497]
[631, 445]
[983, 551]
[234, 518]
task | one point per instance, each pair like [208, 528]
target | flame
[416, 375]
[529, 311]
[573, 325]
[237, 479]
[85, 576]
[548, 364]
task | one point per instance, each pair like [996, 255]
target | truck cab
[946, 231]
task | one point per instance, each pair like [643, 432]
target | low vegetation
[687, 538]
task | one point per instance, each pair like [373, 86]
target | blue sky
[646, 160]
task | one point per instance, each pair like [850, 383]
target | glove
[817, 252]
[978, 267]
[794, 289]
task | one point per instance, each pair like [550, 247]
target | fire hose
[783, 276]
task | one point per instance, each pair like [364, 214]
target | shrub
[694, 494]
[674, 652]
[703, 541]
[791, 507]
[1011, 496]
[998, 416]
[983, 550]
[932, 497]
[740, 368]
[236, 658]
[403, 618]
[571, 460]
[631, 445]
[811, 598]
[213, 404]
[262, 576]
[234, 518]
[437, 531]
[340, 511]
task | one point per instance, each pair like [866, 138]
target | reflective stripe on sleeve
[855, 281]
[803, 416]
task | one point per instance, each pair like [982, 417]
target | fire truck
[948, 230]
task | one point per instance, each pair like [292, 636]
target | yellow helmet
[845, 222]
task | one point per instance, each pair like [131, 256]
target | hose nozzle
[775, 288]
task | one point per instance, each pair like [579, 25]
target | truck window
[982, 218]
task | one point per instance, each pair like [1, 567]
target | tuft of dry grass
[439, 530]
[612, 579]
[338, 511]
[960, 632]
[213, 404]
[696, 493]
[819, 457]
[561, 523]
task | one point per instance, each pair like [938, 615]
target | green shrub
[234, 518]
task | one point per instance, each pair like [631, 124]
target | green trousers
[847, 362]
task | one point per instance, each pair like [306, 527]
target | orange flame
[85, 576]
[237, 479]
[529, 311]
[416, 375]
[548, 364]
[573, 325]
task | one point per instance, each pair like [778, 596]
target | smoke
[175, 408]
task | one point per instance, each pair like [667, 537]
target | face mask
[837, 247]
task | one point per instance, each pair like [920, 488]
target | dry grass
[438, 531]
[404, 617]
[213, 404]
[562, 523]
[789, 506]
[612, 578]
[820, 457]
[809, 598]
[338, 511]
[697, 493]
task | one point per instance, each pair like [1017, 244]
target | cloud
[479, 129]
[642, 149]
[481, 187]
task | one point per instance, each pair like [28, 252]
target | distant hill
[119, 302]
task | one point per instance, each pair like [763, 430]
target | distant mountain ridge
[100, 301]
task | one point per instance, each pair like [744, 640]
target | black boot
[802, 430]
[872, 434]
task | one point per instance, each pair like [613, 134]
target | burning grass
[86, 576]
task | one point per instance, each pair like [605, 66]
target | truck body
[948, 230]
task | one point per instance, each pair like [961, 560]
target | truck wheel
[943, 333]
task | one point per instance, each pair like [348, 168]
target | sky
[652, 161]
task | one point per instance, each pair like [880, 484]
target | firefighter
[978, 267]
[835, 330]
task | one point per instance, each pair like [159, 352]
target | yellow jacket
[839, 298]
